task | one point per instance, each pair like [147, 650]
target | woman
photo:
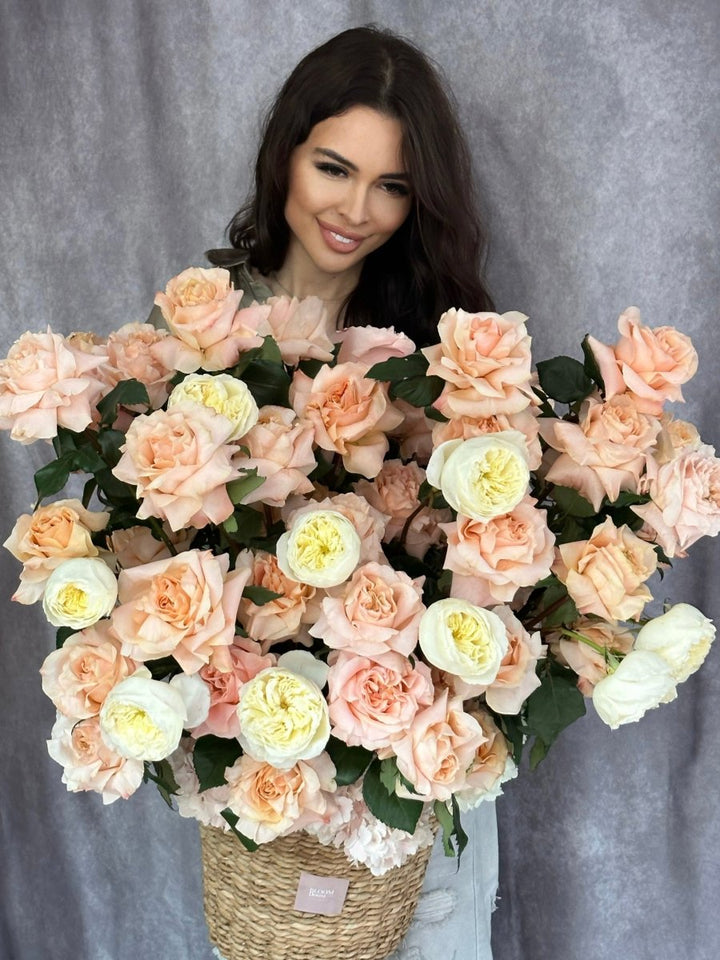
[363, 197]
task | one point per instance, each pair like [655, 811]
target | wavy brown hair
[434, 260]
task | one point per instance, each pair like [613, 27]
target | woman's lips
[339, 241]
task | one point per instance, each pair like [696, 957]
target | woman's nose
[353, 206]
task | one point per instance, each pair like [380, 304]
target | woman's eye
[396, 189]
[332, 169]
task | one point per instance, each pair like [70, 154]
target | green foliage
[398, 812]
[350, 762]
[210, 758]
[572, 503]
[408, 379]
[555, 704]
[564, 379]
[259, 595]
[231, 819]
[61, 635]
[237, 489]
[127, 393]
[163, 778]
[454, 838]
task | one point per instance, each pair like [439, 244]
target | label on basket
[324, 895]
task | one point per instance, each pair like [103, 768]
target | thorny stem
[157, 529]
[406, 525]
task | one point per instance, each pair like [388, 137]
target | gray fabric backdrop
[126, 137]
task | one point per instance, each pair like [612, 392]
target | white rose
[142, 718]
[467, 641]
[283, 718]
[322, 549]
[79, 592]
[196, 697]
[222, 393]
[682, 636]
[642, 681]
[306, 665]
[483, 477]
[471, 797]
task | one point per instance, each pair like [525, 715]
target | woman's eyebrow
[351, 166]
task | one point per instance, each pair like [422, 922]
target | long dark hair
[434, 261]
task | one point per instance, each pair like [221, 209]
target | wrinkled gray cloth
[128, 132]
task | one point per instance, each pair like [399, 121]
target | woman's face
[348, 192]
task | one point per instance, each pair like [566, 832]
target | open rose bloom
[355, 571]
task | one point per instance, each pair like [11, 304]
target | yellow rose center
[470, 637]
[318, 544]
[498, 473]
[72, 600]
[132, 723]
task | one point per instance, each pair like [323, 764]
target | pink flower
[373, 702]
[225, 687]
[394, 492]
[271, 803]
[79, 675]
[589, 664]
[369, 522]
[281, 448]
[675, 437]
[302, 329]
[184, 606]
[516, 679]
[606, 452]
[652, 364]
[463, 428]
[349, 414]
[492, 559]
[279, 619]
[492, 765]
[46, 383]
[179, 462]
[685, 500]
[201, 310]
[130, 356]
[435, 754]
[205, 807]
[88, 763]
[414, 433]
[377, 611]
[134, 546]
[485, 360]
[370, 345]
[45, 539]
[606, 574]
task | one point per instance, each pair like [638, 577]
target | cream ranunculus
[79, 592]
[143, 718]
[283, 718]
[483, 477]
[322, 548]
[467, 641]
[222, 393]
[643, 680]
[682, 637]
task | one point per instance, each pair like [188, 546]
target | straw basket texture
[249, 901]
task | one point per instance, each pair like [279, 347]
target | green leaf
[126, 393]
[110, 442]
[398, 812]
[61, 635]
[399, 368]
[237, 489]
[555, 704]
[538, 753]
[249, 524]
[88, 491]
[564, 379]
[270, 351]
[513, 730]
[418, 391]
[231, 819]
[163, 667]
[432, 414]
[166, 783]
[389, 774]
[115, 489]
[65, 441]
[572, 503]
[629, 498]
[53, 476]
[462, 837]
[268, 382]
[259, 595]
[350, 762]
[591, 366]
[445, 819]
[230, 525]
[311, 368]
[210, 758]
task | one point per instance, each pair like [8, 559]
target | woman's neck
[300, 277]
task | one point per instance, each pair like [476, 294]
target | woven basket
[249, 901]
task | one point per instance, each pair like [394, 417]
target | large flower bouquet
[329, 582]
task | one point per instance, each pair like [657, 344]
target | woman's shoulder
[237, 263]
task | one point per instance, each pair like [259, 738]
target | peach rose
[368, 521]
[652, 364]
[43, 540]
[201, 309]
[606, 574]
[225, 686]
[271, 803]
[377, 611]
[414, 434]
[370, 345]
[46, 383]
[492, 765]
[605, 452]
[184, 606]
[134, 546]
[685, 500]
[130, 356]
[394, 492]
[463, 428]
[373, 702]
[88, 763]
[516, 679]
[281, 448]
[492, 559]
[349, 413]
[79, 675]
[675, 437]
[280, 619]
[437, 751]
[179, 462]
[302, 329]
[591, 663]
[485, 360]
